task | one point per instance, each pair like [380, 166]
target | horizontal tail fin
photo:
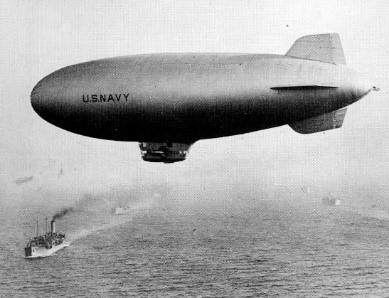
[320, 123]
[321, 47]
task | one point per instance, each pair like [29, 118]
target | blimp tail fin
[323, 122]
[321, 47]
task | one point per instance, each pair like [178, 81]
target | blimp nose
[41, 97]
[47, 98]
[35, 102]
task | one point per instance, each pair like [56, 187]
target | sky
[42, 163]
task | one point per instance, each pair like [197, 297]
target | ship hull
[41, 252]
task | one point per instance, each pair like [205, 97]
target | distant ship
[121, 210]
[330, 201]
[45, 245]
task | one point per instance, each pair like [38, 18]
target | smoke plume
[63, 212]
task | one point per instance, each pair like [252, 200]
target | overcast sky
[39, 37]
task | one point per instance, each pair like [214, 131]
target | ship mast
[37, 228]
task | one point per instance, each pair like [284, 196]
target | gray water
[265, 248]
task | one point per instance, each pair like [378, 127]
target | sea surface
[264, 248]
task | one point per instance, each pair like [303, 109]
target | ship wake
[111, 221]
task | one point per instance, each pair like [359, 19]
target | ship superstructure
[44, 245]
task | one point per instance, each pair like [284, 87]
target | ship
[121, 210]
[329, 201]
[45, 245]
[131, 209]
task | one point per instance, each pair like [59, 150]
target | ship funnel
[53, 226]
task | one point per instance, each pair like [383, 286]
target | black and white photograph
[215, 148]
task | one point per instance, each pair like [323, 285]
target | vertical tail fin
[321, 47]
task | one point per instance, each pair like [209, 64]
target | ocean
[267, 248]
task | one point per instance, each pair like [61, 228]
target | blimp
[169, 101]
